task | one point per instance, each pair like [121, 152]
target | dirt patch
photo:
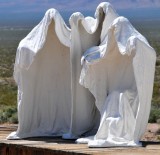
[152, 133]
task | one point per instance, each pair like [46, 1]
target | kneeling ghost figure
[92, 82]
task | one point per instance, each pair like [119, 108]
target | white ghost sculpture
[94, 79]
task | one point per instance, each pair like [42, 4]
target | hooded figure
[42, 73]
[85, 33]
[120, 74]
[93, 79]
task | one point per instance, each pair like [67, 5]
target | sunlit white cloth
[93, 79]
[120, 74]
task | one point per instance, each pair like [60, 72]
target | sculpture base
[58, 146]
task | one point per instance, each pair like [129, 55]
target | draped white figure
[85, 33]
[42, 73]
[93, 81]
[120, 74]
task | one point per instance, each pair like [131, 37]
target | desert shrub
[8, 93]
[154, 115]
[156, 88]
[158, 63]
[8, 114]
[14, 118]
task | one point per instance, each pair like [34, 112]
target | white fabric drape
[85, 33]
[95, 78]
[42, 73]
[120, 74]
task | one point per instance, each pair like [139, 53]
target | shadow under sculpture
[94, 79]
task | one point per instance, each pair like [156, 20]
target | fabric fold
[42, 73]
[120, 75]
[30, 46]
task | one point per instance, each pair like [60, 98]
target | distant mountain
[119, 4]
[126, 4]
[25, 6]
[31, 11]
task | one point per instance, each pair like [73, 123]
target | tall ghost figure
[93, 79]
[85, 33]
[42, 73]
[120, 74]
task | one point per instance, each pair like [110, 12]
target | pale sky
[24, 6]
[30, 12]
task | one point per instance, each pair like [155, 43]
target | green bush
[158, 63]
[8, 114]
[14, 118]
[8, 93]
[154, 115]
